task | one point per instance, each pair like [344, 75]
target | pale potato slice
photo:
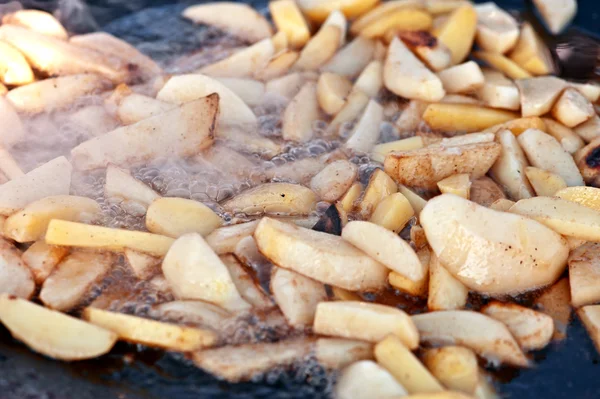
[445, 292]
[544, 152]
[325, 257]
[464, 117]
[51, 178]
[458, 33]
[56, 57]
[340, 294]
[356, 102]
[319, 49]
[64, 337]
[544, 183]
[174, 217]
[590, 317]
[336, 18]
[584, 275]
[227, 16]
[143, 266]
[62, 232]
[380, 151]
[455, 367]
[286, 86]
[335, 353]
[73, 278]
[243, 362]
[518, 126]
[11, 130]
[586, 196]
[351, 59]
[281, 62]
[15, 277]
[531, 53]
[556, 15]
[244, 63]
[366, 379]
[393, 212]
[463, 327]
[15, 69]
[55, 93]
[364, 321]
[405, 75]
[462, 78]
[288, 19]
[403, 19]
[300, 114]
[483, 259]
[249, 90]
[30, 224]
[318, 10]
[393, 354]
[386, 247]
[193, 312]
[538, 95]
[120, 185]
[499, 92]
[564, 135]
[224, 239]
[509, 169]
[38, 21]
[416, 201]
[42, 258]
[251, 291]
[334, 180]
[370, 80]
[238, 138]
[556, 303]
[589, 130]
[136, 107]
[273, 198]
[590, 90]
[194, 271]
[380, 186]
[415, 288]
[348, 201]
[297, 296]
[503, 64]
[456, 184]
[150, 332]
[430, 50]
[332, 91]
[497, 30]
[366, 133]
[485, 191]
[425, 167]
[572, 108]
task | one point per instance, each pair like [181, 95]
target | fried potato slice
[509, 169]
[243, 64]
[182, 131]
[356, 102]
[380, 11]
[42, 258]
[393, 212]
[584, 274]
[300, 114]
[15, 277]
[143, 266]
[564, 135]
[462, 78]
[403, 19]
[520, 125]
[572, 108]
[532, 330]
[458, 33]
[543, 182]
[326, 258]
[15, 69]
[380, 151]
[224, 239]
[64, 337]
[370, 80]
[332, 91]
[320, 48]
[531, 53]
[135, 107]
[30, 224]
[455, 367]
[150, 332]
[485, 191]
[273, 199]
[351, 59]
[502, 64]
[538, 95]
[586, 196]
[334, 180]
[348, 201]
[289, 19]
[556, 303]
[227, 16]
[174, 217]
[318, 10]
[483, 259]
[38, 21]
[462, 327]
[364, 321]
[367, 131]
[499, 92]
[497, 30]
[590, 316]
[464, 117]
[425, 167]
[556, 15]
[380, 186]
[445, 292]
[456, 184]
[365, 379]
[120, 185]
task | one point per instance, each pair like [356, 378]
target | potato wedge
[243, 64]
[586, 196]
[445, 292]
[497, 30]
[532, 330]
[194, 271]
[64, 337]
[502, 64]
[518, 126]
[143, 266]
[278, 65]
[455, 367]
[12, 129]
[584, 275]
[425, 167]
[135, 107]
[224, 239]
[38, 21]
[405, 75]
[544, 152]
[499, 92]
[380, 151]
[30, 224]
[182, 131]
[250, 290]
[52, 94]
[335, 353]
[430, 50]
[572, 108]
[456, 184]
[386, 247]
[415, 288]
[392, 354]
[73, 278]
[319, 49]
[393, 212]
[237, 138]
[334, 180]
[348, 201]
[556, 303]
[543, 182]
[464, 117]
[297, 296]
[403, 19]
[590, 317]
[381, 10]
[120, 185]
[370, 80]
[458, 33]
[380, 186]
[482, 259]
[462, 78]
[365, 379]
[364, 321]
[589, 130]
[62, 232]
[351, 59]
[356, 102]
[318, 10]
[243, 362]
[509, 169]
[15, 69]
[564, 135]
[286, 86]
[590, 90]
[332, 91]
[485, 191]
[174, 217]
[367, 130]
[538, 95]
[556, 15]
[326, 258]
[150, 332]
[273, 199]
[416, 201]
[227, 16]
[300, 114]
[461, 327]
[51, 178]
[289, 19]
[42, 258]
[531, 53]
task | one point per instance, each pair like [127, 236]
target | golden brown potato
[464, 117]
[459, 184]
[572, 108]
[319, 49]
[380, 186]
[353, 58]
[366, 132]
[531, 53]
[332, 90]
[318, 10]
[458, 33]
[455, 367]
[544, 183]
[393, 212]
[38, 21]
[556, 15]
[364, 379]
[404, 19]
[502, 64]
[289, 19]
[15, 69]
